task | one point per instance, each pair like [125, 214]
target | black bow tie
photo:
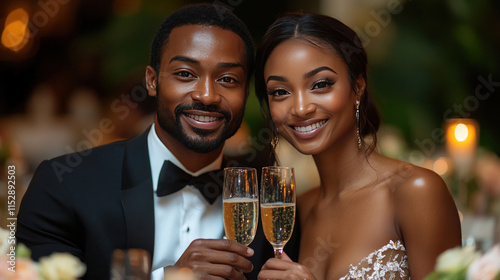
[173, 179]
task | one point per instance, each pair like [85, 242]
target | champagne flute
[240, 199]
[277, 204]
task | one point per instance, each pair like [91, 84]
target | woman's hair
[324, 32]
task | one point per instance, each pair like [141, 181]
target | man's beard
[199, 143]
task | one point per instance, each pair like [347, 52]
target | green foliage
[22, 251]
[459, 275]
[432, 64]
[125, 41]
[444, 276]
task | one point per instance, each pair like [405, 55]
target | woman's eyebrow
[317, 70]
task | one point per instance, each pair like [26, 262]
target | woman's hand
[284, 269]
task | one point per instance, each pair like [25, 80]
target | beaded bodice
[388, 263]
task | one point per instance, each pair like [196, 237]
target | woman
[371, 216]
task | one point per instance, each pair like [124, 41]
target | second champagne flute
[277, 205]
[241, 204]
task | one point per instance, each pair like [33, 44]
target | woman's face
[310, 97]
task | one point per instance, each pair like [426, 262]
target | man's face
[202, 86]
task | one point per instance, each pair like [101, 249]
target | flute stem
[278, 252]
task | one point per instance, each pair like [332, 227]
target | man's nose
[206, 92]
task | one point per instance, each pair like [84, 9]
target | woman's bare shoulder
[411, 181]
[407, 180]
[420, 194]
[426, 217]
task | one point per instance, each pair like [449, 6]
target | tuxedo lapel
[137, 194]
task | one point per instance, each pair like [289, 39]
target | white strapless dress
[388, 263]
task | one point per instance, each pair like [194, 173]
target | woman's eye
[277, 92]
[184, 74]
[322, 84]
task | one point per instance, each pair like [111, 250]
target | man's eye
[228, 80]
[184, 74]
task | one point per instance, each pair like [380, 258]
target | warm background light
[461, 146]
[461, 136]
[440, 166]
[16, 32]
[461, 132]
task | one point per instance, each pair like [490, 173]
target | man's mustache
[179, 109]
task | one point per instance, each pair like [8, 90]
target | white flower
[485, 267]
[61, 266]
[4, 238]
[455, 259]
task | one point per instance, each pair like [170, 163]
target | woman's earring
[357, 121]
[274, 141]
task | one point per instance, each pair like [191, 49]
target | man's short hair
[201, 14]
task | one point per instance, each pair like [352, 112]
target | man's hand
[216, 259]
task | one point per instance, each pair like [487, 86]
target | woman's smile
[308, 129]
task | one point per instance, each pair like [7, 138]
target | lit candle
[461, 144]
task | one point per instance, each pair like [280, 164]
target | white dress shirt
[180, 217]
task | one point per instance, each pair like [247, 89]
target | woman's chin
[307, 149]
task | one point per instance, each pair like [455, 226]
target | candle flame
[461, 132]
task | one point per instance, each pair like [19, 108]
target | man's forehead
[202, 40]
[201, 32]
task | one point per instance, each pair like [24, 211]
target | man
[121, 194]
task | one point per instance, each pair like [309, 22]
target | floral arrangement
[17, 265]
[467, 264]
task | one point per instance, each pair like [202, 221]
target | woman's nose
[303, 105]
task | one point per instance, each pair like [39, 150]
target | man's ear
[151, 81]
[359, 87]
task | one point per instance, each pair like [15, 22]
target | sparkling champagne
[278, 220]
[240, 219]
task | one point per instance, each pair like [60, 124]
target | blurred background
[71, 75]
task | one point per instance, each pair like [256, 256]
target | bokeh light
[16, 32]
[440, 166]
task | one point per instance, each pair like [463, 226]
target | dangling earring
[275, 133]
[357, 121]
[274, 141]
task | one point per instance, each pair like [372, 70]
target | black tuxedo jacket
[95, 201]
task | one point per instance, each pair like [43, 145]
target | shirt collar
[158, 153]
